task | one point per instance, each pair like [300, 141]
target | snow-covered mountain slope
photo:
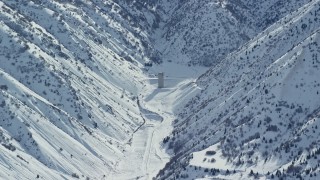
[77, 101]
[258, 113]
[70, 77]
[204, 32]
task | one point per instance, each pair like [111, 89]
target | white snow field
[144, 154]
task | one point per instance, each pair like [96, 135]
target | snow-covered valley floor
[144, 155]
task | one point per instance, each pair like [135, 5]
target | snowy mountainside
[205, 32]
[64, 111]
[77, 101]
[258, 113]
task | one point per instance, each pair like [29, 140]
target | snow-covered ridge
[205, 32]
[259, 109]
[69, 78]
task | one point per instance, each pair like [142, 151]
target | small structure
[161, 80]
[148, 64]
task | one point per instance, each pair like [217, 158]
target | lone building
[161, 80]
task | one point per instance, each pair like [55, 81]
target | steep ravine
[71, 73]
